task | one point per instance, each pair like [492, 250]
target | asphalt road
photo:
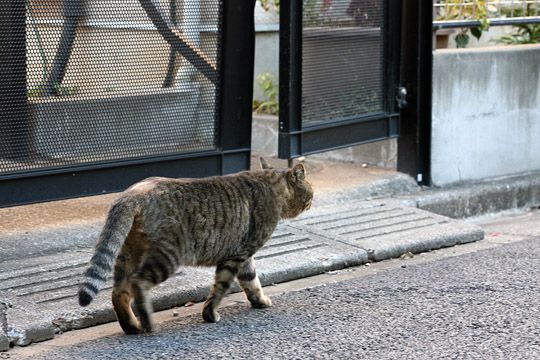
[482, 304]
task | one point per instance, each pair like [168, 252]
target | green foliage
[64, 90]
[271, 103]
[524, 33]
[462, 39]
[59, 90]
[467, 10]
[267, 5]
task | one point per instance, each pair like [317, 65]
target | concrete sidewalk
[359, 215]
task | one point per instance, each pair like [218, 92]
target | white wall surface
[486, 113]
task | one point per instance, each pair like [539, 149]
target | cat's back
[245, 184]
[249, 190]
[218, 210]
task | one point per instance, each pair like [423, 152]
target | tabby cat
[159, 224]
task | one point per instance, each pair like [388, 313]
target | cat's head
[300, 192]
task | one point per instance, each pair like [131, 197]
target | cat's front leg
[249, 281]
[225, 273]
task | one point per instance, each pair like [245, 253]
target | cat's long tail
[116, 229]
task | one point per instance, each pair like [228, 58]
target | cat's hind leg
[225, 273]
[249, 281]
[143, 304]
[122, 297]
[158, 265]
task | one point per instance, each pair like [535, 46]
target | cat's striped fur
[159, 224]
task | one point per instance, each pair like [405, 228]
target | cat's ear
[298, 172]
[264, 164]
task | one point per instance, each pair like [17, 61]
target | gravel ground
[483, 305]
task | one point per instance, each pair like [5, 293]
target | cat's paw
[261, 302]
[131, 329]
[210, 315]
[147, 328]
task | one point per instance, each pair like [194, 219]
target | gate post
[416, 72]
[238, 57]
[13, 104]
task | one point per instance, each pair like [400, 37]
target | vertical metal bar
[74, 11]
[172, 66]
[296, 66]
[393, 53]
[392, 43]
[191, 28]
[284, 66]
[14, 126]
[236, 84]
[416, 74]
[290, 79]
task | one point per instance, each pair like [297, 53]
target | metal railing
[474, 13]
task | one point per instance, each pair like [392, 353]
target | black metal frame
[414, 144]
[452, 24]
[296, 140]
[235, 84]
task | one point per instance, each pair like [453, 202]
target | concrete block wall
[486, 113]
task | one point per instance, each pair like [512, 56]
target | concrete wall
[266, 47]
[486, 113]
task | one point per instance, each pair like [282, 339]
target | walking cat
[159, 224]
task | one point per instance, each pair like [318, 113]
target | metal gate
[339, 78]
[95, 95]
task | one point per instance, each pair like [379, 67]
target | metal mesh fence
[343, 59]
[103, 84]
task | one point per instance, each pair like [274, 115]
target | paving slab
[387, 230]
[42, 289]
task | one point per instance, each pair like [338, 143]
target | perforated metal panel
[98, 94]
[343, 59]
[103, 83]
[339, 74]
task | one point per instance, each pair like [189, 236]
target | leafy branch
[270, 105]
[523, 33]
[467, 10]
[267, 5]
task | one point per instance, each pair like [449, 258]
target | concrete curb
[397, 185]
[457, 202]
[481, 198]
[4, 341]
